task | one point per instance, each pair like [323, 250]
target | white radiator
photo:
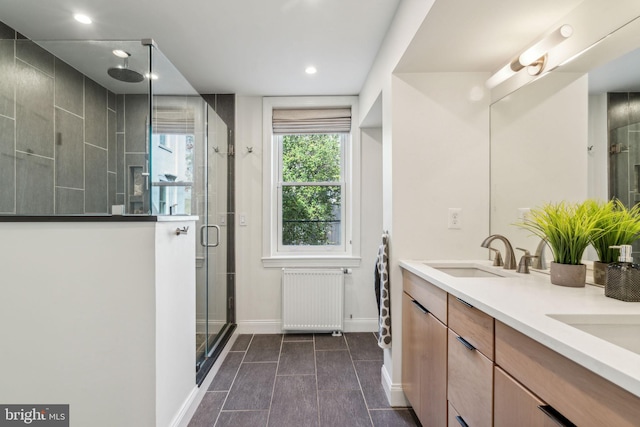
[312, 299]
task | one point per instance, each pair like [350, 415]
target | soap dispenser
[622, 280]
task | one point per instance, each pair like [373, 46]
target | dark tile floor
[299, 381]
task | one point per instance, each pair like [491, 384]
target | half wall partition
[95, 128]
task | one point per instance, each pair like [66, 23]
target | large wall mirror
[550, 138]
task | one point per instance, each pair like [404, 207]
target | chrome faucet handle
[525, 260]
[497, 259]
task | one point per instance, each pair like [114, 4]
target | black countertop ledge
[79, 218]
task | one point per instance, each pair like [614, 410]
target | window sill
[311, 261]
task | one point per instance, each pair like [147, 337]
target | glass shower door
[212, 304]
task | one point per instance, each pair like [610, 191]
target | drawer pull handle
[466, 343]
[461, 421]
[420, 307]
[465, 303]
[556, 416]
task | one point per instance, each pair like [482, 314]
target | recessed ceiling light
[310, 70]
[84, 19]
[121, 53]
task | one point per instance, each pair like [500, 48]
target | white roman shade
[167, 120]
[324, 120]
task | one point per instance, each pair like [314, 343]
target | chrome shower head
[125, 74]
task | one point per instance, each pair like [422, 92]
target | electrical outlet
[455, 218]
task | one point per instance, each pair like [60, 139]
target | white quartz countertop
[526, 302]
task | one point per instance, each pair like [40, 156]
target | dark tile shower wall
[63, 147]
[623, 114]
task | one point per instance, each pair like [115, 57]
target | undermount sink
[622, 330]
[465, 270]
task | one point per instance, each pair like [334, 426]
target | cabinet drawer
[577, 393]
[454, 419]
[470, 383]
[514, 405]
[429, 296]
[471, 324]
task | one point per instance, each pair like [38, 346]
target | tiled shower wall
[63, 147]
[623, 115]
[623, 110]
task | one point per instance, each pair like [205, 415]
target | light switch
[242, 219]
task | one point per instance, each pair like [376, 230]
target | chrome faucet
[525, 261]
[539, 262]
[509, 257]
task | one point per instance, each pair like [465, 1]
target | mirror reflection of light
[82, 18]
[151, 76]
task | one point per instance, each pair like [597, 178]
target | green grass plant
[620, 225]
[568, 227]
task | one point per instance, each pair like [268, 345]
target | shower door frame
[215, 347]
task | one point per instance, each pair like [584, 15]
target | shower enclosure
[623, 111]
[92, 128]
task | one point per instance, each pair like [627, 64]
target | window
[310, 191]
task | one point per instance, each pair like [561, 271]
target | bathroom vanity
[490, 347]
[98, 312]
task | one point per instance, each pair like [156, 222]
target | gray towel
[383, 294]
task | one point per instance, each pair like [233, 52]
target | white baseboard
[361, 325]
[394, 392]
[189, 409]
[259, 326]
[179, 418]
[275, 326]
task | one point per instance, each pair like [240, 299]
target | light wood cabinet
[514, 405]
[424, 362]
[461, 367]
[454, 419]
[431, 297]
[475, 326]
[470, 382]
[580, 395]
[411, 349]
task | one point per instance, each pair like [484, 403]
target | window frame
[348, 253]
[344, 161]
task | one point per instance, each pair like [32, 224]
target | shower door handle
[204, 236]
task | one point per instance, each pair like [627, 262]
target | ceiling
[471, 36]
[260, 47]
[247, 47]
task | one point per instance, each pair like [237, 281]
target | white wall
[538, 151]
[82, 323]
[440, 160]
[175, 300]
[598, 155]
[403, 28]
[258, 292]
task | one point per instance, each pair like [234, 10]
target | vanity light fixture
[82, 18]
[534, 58]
